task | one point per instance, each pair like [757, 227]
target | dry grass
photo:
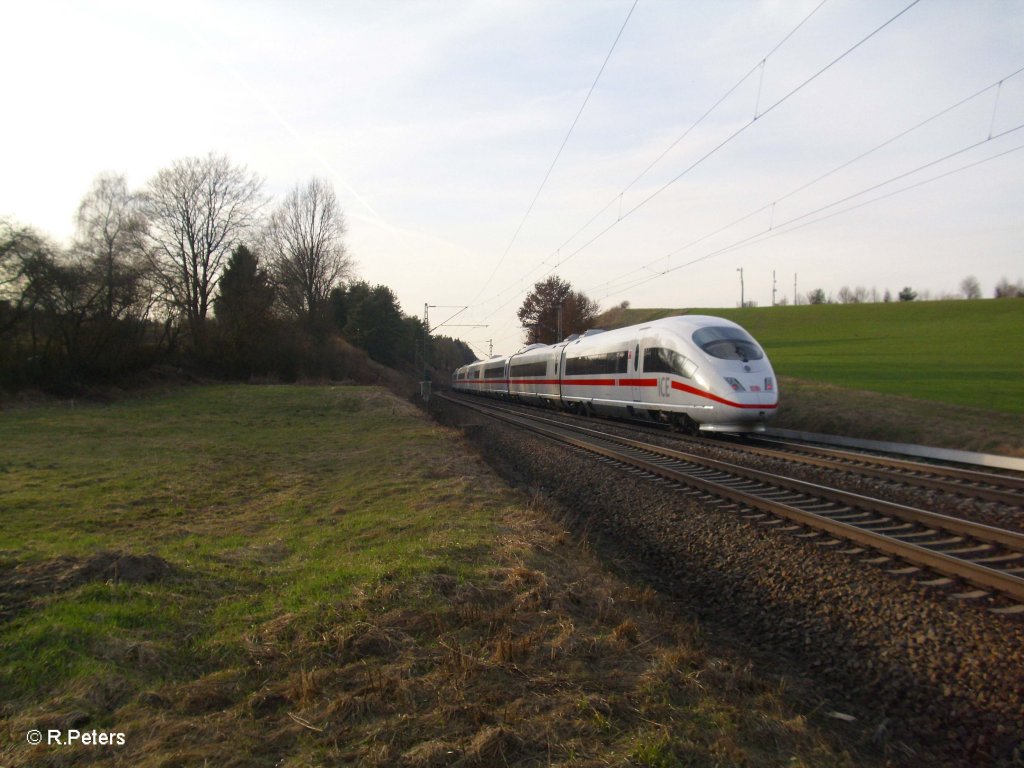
[514, 648]
[545, 659]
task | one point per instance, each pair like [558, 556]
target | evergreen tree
[243, 311]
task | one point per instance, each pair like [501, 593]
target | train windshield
[728, 343]
[659, 360]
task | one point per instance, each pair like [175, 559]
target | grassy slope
[880, 369]
[341, 582]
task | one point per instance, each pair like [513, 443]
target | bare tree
[304, 240]
[22, 252]
[198, 210]
[849, 295]
[109, 243]
[970, 287]
[1007, 290]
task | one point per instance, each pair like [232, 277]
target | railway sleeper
[929, 532]
[977, 548]
[939, 581]
[905, 571]
[824, 507]
[876, 522]
[889, 528]
[852, 516]
[974, 594]
[1006, 558]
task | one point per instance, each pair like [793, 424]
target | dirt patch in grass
[118, 566]
[21, 583]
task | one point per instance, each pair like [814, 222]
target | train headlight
[736, 386]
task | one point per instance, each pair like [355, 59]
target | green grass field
[296, 576]
[265, 499]
[968, 353]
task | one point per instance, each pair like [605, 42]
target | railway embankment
[816, 406]
[928, 677]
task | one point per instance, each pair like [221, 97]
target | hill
[878, 370]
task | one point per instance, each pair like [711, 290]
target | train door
[635, 371]
[560, 373]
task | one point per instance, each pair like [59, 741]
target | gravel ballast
[928, 677]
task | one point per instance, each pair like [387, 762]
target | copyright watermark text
[72, 737]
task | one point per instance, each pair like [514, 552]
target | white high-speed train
[696, 372]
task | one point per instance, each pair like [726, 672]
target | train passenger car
[494, 377]
[489, 377]
[532, 375]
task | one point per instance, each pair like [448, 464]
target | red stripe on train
[717, 399]
[623, 383]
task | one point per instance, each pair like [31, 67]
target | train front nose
[753, 384]
[754, 391]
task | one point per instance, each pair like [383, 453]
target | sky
[846, 142]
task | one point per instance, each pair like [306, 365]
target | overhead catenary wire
[739, 131]
[788, 226]
[610, 284]
[558, 154]
[619, 197]
[720, 145]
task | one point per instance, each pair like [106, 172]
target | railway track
[937, 550]
[1002, 488]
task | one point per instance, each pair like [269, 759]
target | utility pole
[773, 288]
[796, 296]
[559, 323]
[490, 347]
[742, 300]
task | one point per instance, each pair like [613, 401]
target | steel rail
[946, 564]
[1004, 489]
[984, 461]
[1008, 489]
[991, 534]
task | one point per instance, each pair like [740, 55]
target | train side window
[529, 369]
[602, 363]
